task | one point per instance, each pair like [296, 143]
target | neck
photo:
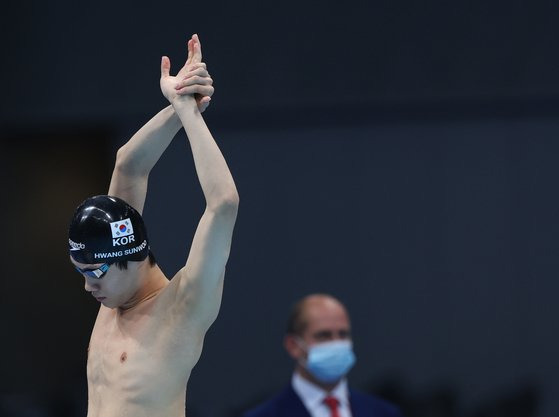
[152, 282]
[328, 387]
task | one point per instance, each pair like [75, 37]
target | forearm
[140, 154]
[215, 178]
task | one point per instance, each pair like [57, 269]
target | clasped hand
[193, 79]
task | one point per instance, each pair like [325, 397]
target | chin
[108, 303]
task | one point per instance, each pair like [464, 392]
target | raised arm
[199, 284]
[136, 158]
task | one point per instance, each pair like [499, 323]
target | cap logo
[75, 246]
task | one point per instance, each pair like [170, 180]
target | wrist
[185, 106]
[168, 117]
[183, 101]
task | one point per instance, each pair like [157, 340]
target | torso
[139, 361]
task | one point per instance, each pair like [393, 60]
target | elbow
[122, 162]
[230, 202]
[227, 204]
[128, 162]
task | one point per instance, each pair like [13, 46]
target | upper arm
[136, 158]
[199, 283]
[128, 184]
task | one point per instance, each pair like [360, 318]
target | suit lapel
[358, 408]
[292, 405]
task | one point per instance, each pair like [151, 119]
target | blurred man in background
[318, 339]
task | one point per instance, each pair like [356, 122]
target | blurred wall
[438, 236]
[100, 60]
[44, 312]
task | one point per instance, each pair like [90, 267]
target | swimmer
[149, 331]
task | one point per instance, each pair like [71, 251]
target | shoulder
[375, 405]
[105, 316]
[286, 403]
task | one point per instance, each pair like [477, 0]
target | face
[114, 288]
[326, 320]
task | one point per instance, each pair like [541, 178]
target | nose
[91, 286]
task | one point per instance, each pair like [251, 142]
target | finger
[200, 72]
[203, 99]
[197, 49]
[204, 90]
[190, 71]
[196, 80]
[190, 51]
[197, 65]
[203, 102]
[165, 66]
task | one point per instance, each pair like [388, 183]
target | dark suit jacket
[288, 404]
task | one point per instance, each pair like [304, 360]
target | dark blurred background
[401, 156]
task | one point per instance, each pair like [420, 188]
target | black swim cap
[107, 229]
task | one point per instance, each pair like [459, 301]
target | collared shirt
[313, 397]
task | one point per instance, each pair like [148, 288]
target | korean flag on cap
[122, 228]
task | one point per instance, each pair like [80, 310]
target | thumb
[165, 66]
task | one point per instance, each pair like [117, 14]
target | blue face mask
[330, 361]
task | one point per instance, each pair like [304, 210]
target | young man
[149, 331]
[319, 341]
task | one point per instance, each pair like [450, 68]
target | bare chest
[140, 360]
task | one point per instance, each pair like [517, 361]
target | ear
[293, 347]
